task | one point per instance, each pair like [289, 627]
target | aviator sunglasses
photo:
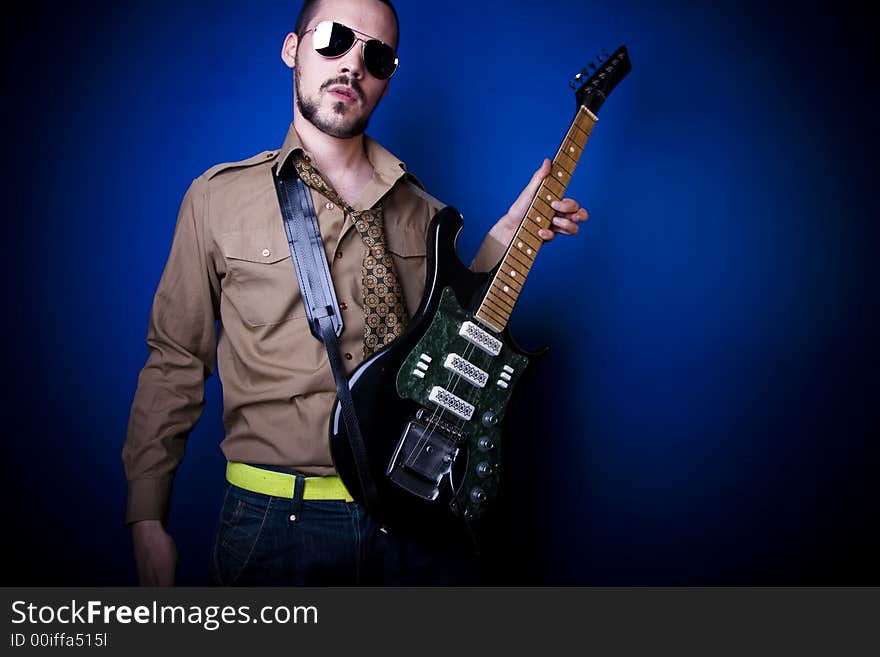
[332, 39]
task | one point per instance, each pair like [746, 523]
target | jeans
[263, 540]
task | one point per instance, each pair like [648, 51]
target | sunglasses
[332, 39]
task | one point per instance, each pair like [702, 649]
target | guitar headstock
[604, 75]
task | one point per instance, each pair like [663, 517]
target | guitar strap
[322, 308]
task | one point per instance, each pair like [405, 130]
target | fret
[568, 163]
[492, 306]
[572, 148]
[575, 133]
[553, 185]
[508, 296]
[524, 248]
[561, 175]
[520, 260]
[585, 115]
[559, 164]
[525, 253]
[544, 208]
[546, 194]
[537, 219]
[513, 269]
[485, 322]
[531, 226]
[529, 241]
[585, 120]
[509, 280]
[494, 319]
[583, 124]
[506, 291]
[500, 302]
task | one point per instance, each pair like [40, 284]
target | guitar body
[433, 467]
[431, 404]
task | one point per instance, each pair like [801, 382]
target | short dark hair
[311, 6]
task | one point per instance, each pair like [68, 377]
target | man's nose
[352, 62]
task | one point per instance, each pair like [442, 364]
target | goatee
[342, 129]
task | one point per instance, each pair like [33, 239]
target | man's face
[338, 95]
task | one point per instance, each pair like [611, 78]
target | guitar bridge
[425, 453]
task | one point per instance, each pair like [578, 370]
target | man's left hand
[569, 213]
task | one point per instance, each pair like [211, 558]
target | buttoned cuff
[148, 499]
[489, 254]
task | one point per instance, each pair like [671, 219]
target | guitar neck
[496, 306]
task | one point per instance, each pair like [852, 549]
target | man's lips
[346, 94]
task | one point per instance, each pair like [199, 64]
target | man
[230, 262]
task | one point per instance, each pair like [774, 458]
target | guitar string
[474, 393]
[468, 351]
[434, 421]
[439, 412]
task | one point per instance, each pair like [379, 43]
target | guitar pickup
[480, 338]
[452, 403]
[466, 370]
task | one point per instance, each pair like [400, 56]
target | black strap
[322, 309]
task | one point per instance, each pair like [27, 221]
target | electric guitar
[431, 404]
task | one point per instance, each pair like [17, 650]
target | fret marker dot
[559, 173]
[512, 273]
[529, 251]
[571, 149]
[506, 289]
[537, 220]
[519, 245]
[549, 198]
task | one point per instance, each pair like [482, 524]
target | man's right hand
[154, 553]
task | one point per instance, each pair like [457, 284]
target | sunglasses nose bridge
[352, 60]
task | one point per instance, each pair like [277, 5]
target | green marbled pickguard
[439, 340]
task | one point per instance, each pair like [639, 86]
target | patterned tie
[385, 314]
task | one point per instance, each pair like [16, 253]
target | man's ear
[288, 50]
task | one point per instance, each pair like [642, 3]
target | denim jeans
[263, 540]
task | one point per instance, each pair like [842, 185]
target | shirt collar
[388, 168]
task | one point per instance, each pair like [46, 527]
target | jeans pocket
[242, 519]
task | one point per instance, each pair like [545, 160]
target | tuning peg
[593, 66]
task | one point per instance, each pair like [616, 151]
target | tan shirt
[230, 261]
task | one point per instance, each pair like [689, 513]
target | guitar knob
[483, 469]
[489, 419]
[477, 495]
[484, 444]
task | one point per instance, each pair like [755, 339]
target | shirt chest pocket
[408, 251]
[260, 283]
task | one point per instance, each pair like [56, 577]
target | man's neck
[334, 156]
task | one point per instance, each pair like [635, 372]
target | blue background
[708, 412]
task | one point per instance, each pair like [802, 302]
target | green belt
[279, 484]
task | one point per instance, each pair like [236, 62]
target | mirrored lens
[332, 39]
[379, 59]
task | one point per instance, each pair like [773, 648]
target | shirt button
[329, 206]
[348, 356]
[343, 306]
[338, 255]
[266, 253]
